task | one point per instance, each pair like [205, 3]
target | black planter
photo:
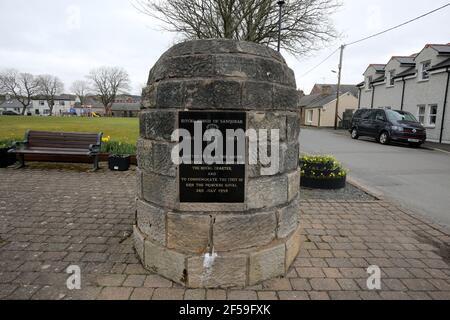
[325, 184]
[6, 159]
[119, 163]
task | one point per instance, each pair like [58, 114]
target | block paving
[57, 216]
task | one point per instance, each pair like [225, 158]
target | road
[417, 179]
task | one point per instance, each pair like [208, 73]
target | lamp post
[280, 4]
[338, 89]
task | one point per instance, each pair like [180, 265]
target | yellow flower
[106, 139]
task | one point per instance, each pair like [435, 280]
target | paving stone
[134, 281]
[115, 293]
[267, 295]
[111, 280]
[195, 294]
[300, 284]
[319, 295]
[325, 285]
[156, 281]
[142, 294]
[216, 294]
[293, 295]
[168, 294]
[242, 295]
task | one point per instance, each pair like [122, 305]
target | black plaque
[217, 183]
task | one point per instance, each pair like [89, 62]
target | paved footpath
[53, 218]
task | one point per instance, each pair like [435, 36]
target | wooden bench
[59, 144]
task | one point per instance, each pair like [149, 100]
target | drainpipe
[373, 96]
[403, 94]
[359, 98]
[445, 106]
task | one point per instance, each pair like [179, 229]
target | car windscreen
[400, 116]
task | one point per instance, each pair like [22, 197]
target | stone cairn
[223, 245]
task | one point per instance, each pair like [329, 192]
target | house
[418, 83]
[318, 109]
[124, 105]
[64, 105]
[11, 105]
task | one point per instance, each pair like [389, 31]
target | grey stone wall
[251, 242]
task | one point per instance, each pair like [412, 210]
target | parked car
[10, 113]
[387, 125]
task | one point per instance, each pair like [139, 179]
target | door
[365, 123]
[378, 123]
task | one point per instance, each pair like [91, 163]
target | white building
[64, 105]
[418, 83]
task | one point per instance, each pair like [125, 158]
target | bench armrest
[18, 144]
[95, 148]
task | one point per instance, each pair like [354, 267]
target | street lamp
[280, 4]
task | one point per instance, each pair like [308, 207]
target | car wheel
[384, 138]
[355, 134]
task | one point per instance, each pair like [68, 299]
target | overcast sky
[67, 38]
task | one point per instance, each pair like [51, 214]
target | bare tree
[21, 86]
[306, 24]
[107, 82]
[81, 89]
[49, 87]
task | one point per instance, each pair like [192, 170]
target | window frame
[391, 76]
[423, 116]
[424, 72]
[429, 115]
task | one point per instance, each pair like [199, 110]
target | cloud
[73, 17]
[375, 18]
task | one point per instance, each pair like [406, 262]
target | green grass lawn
[125, 130]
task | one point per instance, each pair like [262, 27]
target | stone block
[267, 264]
[212, 94]
[293, 127]
[169, 264]
[144, 154]
[290, 157]
[157, 124]
[160, 190]
[234, 232]
[293, 184]
[138, 241]
[139, 183]
[149, 97]
[293, 245]
[162, 159]
[256, 95]
[267, 192]
[170, 94]
[198, 66]
[235, 66]
[222, 271]
[151, 220]
[188, 233]
[288, 219]
[284, 98]
[268, 121]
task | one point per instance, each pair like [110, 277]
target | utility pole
[338, 89]
[280, 4]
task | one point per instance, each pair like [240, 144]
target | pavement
[415, 179]
[60, 216]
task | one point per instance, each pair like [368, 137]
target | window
[309, 116]
[62, 103]
[36, 111]
[421, 113]
[41, 102]
[425, 66]
[432, 115]
[46, 111]
[391, 76]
